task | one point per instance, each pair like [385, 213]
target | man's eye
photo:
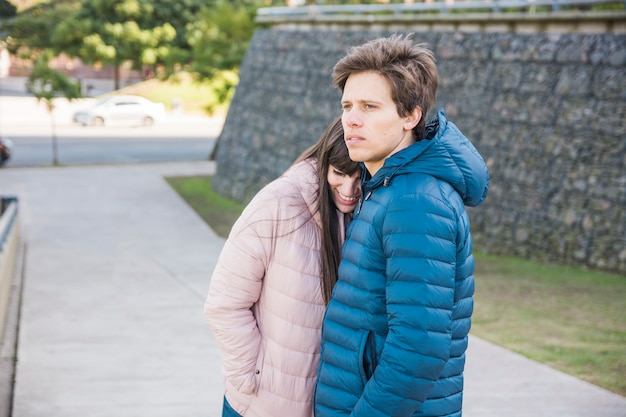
[346, 106]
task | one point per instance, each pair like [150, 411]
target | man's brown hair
[409, 68]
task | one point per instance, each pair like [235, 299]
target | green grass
[218, 212]
[571, 319]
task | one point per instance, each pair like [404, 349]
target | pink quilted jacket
[265, 305]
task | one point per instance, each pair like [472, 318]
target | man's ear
[413, 118]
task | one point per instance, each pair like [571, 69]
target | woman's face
[345, 189]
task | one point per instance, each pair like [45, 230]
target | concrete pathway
[116, 268]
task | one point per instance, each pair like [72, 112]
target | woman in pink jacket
[274, 277]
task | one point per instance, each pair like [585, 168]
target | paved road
[37, 135]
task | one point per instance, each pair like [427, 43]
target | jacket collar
[444, 153]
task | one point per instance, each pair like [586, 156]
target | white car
[121, 110]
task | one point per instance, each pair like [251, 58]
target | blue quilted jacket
[396, 330]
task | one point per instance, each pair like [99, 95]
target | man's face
[373, 130]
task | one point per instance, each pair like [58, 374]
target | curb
[8, 343]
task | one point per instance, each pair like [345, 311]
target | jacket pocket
[368, 356]
[258, 370]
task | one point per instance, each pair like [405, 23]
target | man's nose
[351, 118]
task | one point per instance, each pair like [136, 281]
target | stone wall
[547, 111]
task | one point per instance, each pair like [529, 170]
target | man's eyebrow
[361, 100]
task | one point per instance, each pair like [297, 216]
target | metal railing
[8, 214]
[495, 6]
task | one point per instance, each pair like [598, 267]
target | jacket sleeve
[235, 287]
[419, 245]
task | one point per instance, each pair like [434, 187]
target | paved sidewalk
[116, 269]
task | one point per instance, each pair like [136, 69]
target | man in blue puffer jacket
[396, 329]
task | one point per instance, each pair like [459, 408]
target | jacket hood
[446, 154]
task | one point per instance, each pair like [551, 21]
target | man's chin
[356, 156]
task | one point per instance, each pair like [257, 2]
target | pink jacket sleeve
[235, 287]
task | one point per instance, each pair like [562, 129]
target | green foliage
[178, 14]
[220, 37]
[47, 84]
[116, 11]
[611, 7]
[7, 9]
[144, 32]
[209, 38]
[31, 30]
[114, 32]
[69, 35]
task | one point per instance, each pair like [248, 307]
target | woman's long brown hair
[330, 150]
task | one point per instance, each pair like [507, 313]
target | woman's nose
[352, 187]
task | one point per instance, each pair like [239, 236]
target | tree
[179, 14]
[47, 84]
[144, 32]
[114, 32]
[206, 37]
[30, 32]
[220, 36]
[7, 9]
[219, 39]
